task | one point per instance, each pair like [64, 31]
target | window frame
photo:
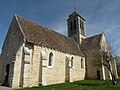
[82, 63]
[71, 62]
[52, 60]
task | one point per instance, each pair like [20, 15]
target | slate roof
[43, 36]
[91, 42]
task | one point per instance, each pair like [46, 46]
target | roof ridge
[91, 42]
[46, 37]
[20, 26]
[41, 25]
[94, 35]
[26, 19]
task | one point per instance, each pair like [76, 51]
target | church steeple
[76, 28]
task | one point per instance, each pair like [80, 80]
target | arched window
[82, 28]
[75, 31]
[50, 62]
[71, 62]
[82, 63]
[71, 26]
[75, 24]
[80, 24]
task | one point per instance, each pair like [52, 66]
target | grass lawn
[80, 85]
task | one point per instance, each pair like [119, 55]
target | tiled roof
[91, 42]
[43, 36]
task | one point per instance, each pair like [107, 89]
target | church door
[67, 70]
[98, 74]
[6, 75]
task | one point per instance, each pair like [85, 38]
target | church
[34, 55]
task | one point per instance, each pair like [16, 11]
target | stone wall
[31, 68]
[91, 63]
[35, 66]
[94, 65]
[77, 72]
[56, 73]
[38, 72]
[11, 55]
[104, 43]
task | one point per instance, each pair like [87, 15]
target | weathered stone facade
[11, 56]
[33, 69]
[37, 72]
[25, 64]
[34, 55]
[95, 57]
[95, 71]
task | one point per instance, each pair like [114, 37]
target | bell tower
[76, 28]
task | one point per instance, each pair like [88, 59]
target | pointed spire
[74, 5]
[74, 13]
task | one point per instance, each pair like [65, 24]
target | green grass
[80, 85]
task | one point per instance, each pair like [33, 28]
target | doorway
[98, 74]
[67, 70]
[6, 83]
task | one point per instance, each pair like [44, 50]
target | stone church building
[34, 55]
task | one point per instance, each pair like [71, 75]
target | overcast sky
[100, 16]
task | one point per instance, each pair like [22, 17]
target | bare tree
[105, 59]
[117, 58]
[108, 59]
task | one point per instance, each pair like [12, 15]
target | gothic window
[82, 32]
[71, 27]
[82, 28]
[80, 24]
[71, 62]
[75, 27]
[82, 63]
[50, 62]
[74, 24]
